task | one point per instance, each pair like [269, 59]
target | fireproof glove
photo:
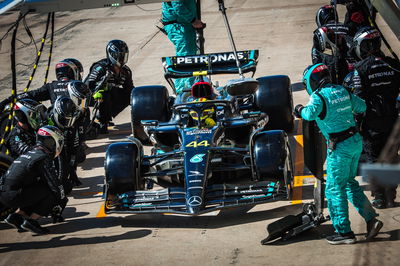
[297, 110]
[98, 95]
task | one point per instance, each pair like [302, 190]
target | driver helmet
[325, 14]
[117, 52]
[78, 65]
[64, 112]
[316, 76]
[67, 70]
[78, 91]
[206, 115]
[367, 41]
[30, 112]
[51, 138]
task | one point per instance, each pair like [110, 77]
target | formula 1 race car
[242, 159]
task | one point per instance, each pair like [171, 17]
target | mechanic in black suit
[110, 80]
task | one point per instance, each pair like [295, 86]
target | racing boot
[34, 226]
[15, 220]
[373, 228]
[338, 238]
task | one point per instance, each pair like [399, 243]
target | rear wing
[209, 64]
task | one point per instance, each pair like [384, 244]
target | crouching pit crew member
[333, 108]
[29, 116]
[110, 80]
[64, 114]
[31, 183]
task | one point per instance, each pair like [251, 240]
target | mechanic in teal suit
[333, 108]
[180, 23]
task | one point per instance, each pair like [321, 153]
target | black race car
[242, 159]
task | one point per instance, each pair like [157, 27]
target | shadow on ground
[59, 241]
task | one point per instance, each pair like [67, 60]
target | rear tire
[122, 168]
[274, 97]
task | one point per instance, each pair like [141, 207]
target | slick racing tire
[5, 162]
[150, 103]
[122, 168]
[274, 97]
[270, 154]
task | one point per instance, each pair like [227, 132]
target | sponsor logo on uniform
[198, 158]
[194, 201]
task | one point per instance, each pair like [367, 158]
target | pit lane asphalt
[282, 31]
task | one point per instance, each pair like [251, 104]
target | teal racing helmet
[316, 76]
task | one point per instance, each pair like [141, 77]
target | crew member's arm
[357, 104]
[16, 144]
[97, 78]
[128, 84]
[50, 176]
[39, 95]
[313, 108]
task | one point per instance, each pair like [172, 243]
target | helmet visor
[119, 57]
[64, 121]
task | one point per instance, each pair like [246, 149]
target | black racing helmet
[78, 65]
[331, 36]
[30, 112]
[64, 112]
[67, 70]
[51, 138]
[316, 76]
[78, 91]
[367, 41]
[117, 52]
[348, 82]
[325, 14]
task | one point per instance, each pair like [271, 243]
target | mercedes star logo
[194, 201]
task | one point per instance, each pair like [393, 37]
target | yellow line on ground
[297, 197]
[101, 213]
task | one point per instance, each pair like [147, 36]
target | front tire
[122, 168]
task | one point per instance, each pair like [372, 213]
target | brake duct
[312, 215]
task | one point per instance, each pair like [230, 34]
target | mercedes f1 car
[242, 159]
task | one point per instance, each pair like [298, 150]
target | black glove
[297, 110]
[56, 212]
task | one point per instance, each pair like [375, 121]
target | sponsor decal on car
[198, 158]
[199, 132]
[214, 58]
[195, 144]
[251, 191]
[196, 181]
[195, 173]
[195, 201]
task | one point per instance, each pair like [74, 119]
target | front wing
[173, 200]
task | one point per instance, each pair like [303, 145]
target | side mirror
[149, 123]
[241, 87]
